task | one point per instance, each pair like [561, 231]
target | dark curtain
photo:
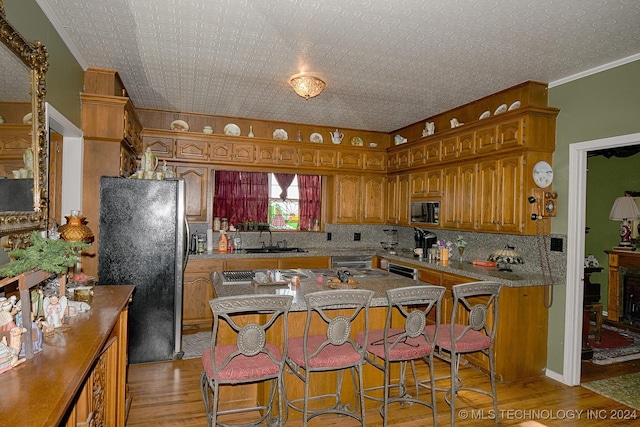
[241, 196]
[310, 194]
[284, 180]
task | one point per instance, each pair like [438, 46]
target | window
[284, 201]
[283, 214]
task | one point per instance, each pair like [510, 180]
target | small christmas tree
[54, 256]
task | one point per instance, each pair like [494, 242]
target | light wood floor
[168, 394]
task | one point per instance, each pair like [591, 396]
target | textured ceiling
[387, 63]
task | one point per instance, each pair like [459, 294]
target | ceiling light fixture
[306, 86]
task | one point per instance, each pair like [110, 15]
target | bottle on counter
[202, 241]
[222, 243]
[224, 224]
[216, 223]
[237, 241]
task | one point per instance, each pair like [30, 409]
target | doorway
[575, 248]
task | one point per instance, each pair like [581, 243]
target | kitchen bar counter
[467, 269]
[379, 283]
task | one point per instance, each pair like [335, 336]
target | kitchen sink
[272, 250]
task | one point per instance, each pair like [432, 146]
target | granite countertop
[379, 283]
[466, 268]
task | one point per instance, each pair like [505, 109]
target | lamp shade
[306, 86]
[624, 208]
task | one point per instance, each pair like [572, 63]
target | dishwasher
[403, 270]
[351, 261]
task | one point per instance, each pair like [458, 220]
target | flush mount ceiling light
[306, 86]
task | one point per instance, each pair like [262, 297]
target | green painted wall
[598, 106]
[606, 180]
[65, 77]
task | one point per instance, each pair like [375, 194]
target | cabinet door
[196, 181]
[486, 139]
[392, 161]
[449, 149]
[198, 290]
[308, 157]
[287, 156]
[487, 196]
[327, 158]
[403, 204]
[466, 145]
[241, 264]
[348, 199]
[374, 161]
[511, 192]
[392, 199]
[433, 183]
[511, 133]
[189, 149]
[418, 184]
[221, 151]
[417, 155]
[349, 160]
[466, 196]
[244, 153]
[403, 159]
[274, 155]
[161, 146]
[450, 190]
[373, 199]
[432, 151]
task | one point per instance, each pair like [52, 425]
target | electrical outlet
[329, 236]
[556, 244]
[356, 237]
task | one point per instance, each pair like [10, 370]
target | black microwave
[425, 212]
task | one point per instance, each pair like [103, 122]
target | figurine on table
[54, 310]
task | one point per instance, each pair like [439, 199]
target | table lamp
[624, 209]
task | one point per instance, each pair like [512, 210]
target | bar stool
[597, 328]
[404, 340]
[258, 323]
[474, 320]
[328, 344]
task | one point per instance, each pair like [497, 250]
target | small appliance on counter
[424, 239]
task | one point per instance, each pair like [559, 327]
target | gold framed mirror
[23, 137]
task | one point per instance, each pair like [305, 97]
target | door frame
[577, 196]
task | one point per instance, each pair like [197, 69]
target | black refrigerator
[143, 241]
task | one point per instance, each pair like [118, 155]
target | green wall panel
[65, 77]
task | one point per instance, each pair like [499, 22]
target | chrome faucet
[270, 237]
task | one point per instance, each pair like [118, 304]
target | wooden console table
[79, 378]
[618, 259]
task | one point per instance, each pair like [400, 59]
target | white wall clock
[542, 174]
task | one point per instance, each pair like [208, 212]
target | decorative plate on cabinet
[232, 130]
[500, 109]
[485, 115]
[316, 137]
[514, 105]
[280, 134]
[27, 119]
[179, 125]
[356, 140]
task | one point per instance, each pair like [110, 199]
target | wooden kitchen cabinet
[191, 150]
[457, 210]
[276, 155]
[500, 195]
[359, 199]
[197, 291]
[196, 181]
[225, 152]
[398, 199]
[161, 146]
[426, 184]
[317, 157]
[374, 161]
[349, 160]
